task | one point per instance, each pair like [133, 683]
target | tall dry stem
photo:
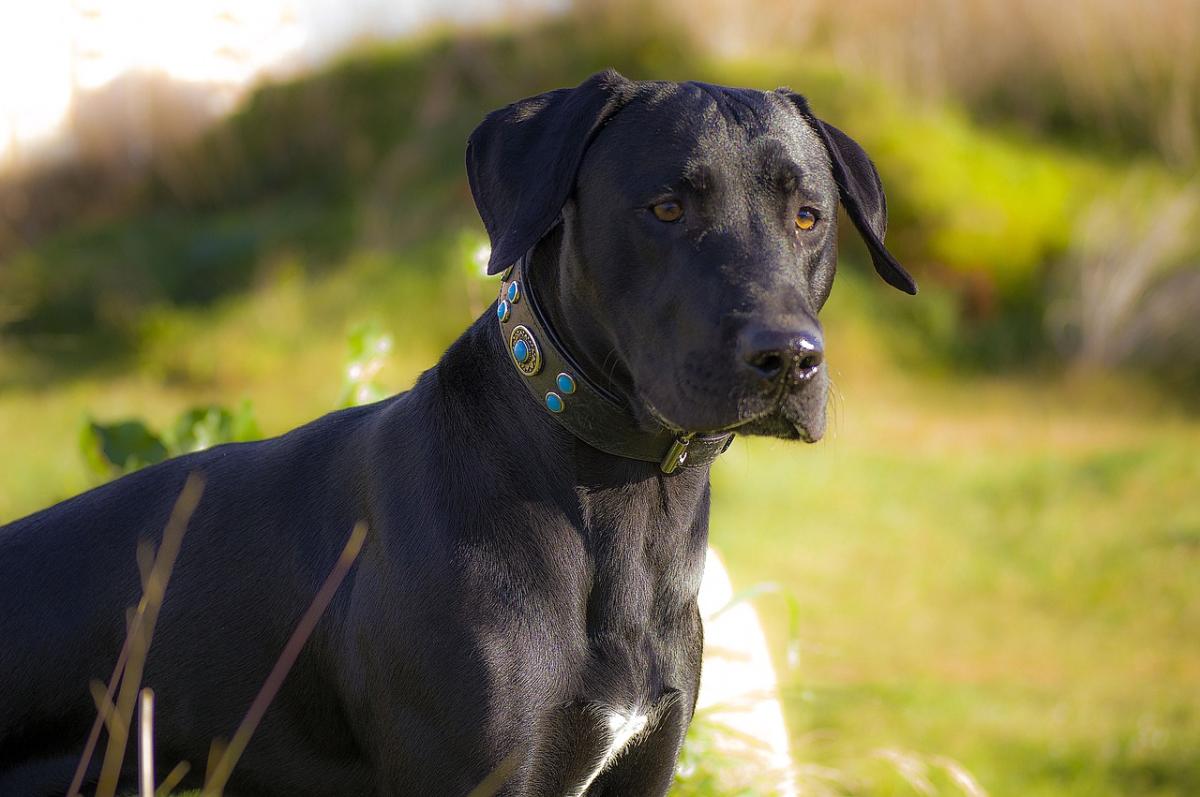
[220, 771]
[132, 658]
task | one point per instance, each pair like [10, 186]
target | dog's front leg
[647, 767]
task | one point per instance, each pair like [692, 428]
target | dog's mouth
[789, 408]
[779, 417]
[783, 425]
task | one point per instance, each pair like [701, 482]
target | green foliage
[112, 449]
[983, 215]
[788, 597]
[121, 447]
[985, 204]
[102, 279]
[369, 347]
[368, 151]
[707, 768]
[204, 427]
[964, 201]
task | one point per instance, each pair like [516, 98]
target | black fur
[514, 582]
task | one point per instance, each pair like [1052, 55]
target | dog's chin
[781, 425]
[794, 417]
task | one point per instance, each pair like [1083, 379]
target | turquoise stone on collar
[566, 383]
[554, 402]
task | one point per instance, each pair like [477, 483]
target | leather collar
[585, 409]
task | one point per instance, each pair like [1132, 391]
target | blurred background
[219, 220]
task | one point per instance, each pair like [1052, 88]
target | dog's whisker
[606, 369]
[834, 407]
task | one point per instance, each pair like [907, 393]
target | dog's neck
[476, 372]
[570, 311]
[620, 506]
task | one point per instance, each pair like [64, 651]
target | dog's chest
[617, 730]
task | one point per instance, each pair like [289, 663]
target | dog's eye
[668, 211]
[806, 219]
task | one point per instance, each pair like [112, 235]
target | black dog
[537, 504]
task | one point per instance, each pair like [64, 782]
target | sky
[52, 48]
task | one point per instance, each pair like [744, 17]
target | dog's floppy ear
[522, 160]
[861, 192]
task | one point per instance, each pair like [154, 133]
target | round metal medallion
[532, 361]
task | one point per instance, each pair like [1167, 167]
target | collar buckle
[676, 455]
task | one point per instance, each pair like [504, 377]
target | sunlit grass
[282, 345]
[1001, 571]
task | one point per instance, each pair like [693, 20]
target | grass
[1022, 602]
[281, 345]
[1000, 570]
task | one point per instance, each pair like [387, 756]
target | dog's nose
[772, 353]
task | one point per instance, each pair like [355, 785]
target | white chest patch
[622, 728]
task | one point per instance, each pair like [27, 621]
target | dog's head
[697, 244]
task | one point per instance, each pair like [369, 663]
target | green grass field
[996, 573]
[998, 570]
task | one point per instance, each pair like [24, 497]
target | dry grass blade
[103, 714]
[963, 779]
[912, 768]
[219, 775]
[140, 633]
[145, 561]
[216, 751]
[146, 743]
[173, 779]
[133, 621]
[497, 777]
[105, 710]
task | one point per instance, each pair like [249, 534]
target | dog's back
[69, 574]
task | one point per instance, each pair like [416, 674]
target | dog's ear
[861, 192]
[522, 160]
